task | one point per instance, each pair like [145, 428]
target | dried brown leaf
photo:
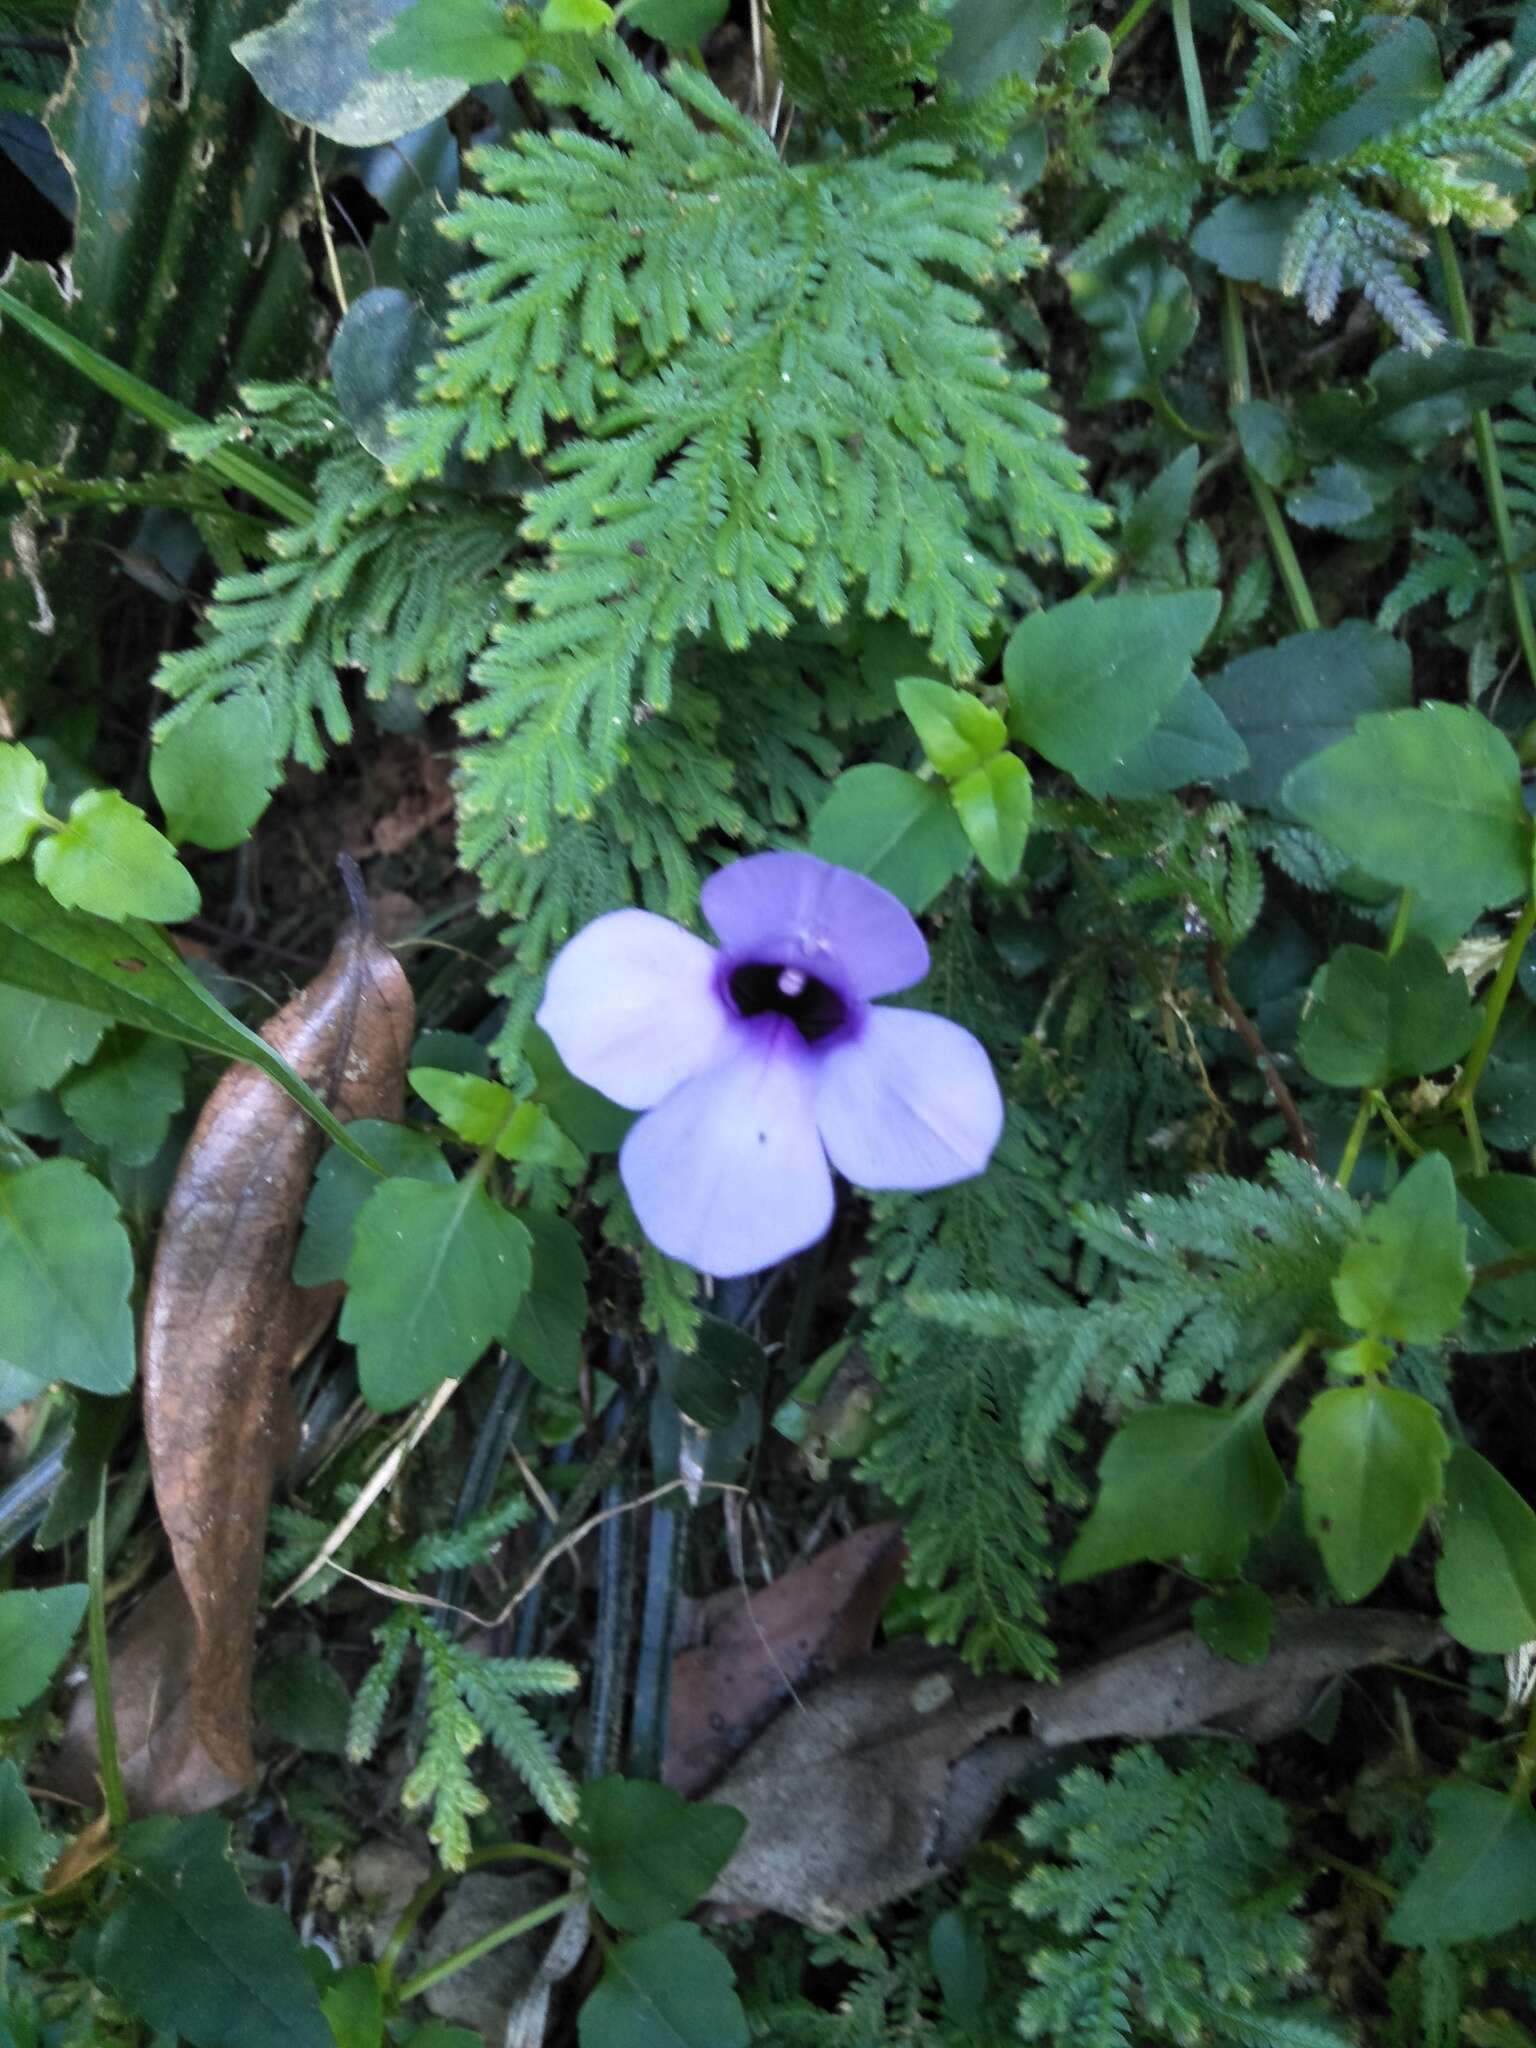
[759, 1649]
[224, 1324]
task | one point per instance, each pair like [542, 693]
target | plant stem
[1234, 349]
[1384, 1109]
[1137, 12]
[405, 1926]
[525, 1923]
[101, 1675]
[1355, 1140]
[1488, 457]
[1498, 996]
[1275, 1377]
[1399, 930]
[1194, 84]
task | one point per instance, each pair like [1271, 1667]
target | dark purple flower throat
[763, 988]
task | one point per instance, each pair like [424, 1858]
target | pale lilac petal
[912, 1102]
[632, 1008]
[803, 912]
[729, 1173]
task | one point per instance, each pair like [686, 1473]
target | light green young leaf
[108, 859]
[668, 1989]
[464, 39]
[436, 1276]
[36, 1630]
[1370, 1469]
[899, 831]
[474, 1109]
[23, 779]
[1427, 800]
[66, 1267]
[185, 1949]
[995, 805]
[1375, 1018]
[1486, 1577]
[957, 732]
[547, 1330]
[1089, 680]
[213, 774]
[343, 1184]
[1480, 1876]
[577, 17]
[1405, 1276]
[652, 1855]
[125, 1099]
[1179, 1479]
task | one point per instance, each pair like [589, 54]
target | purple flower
[760, 1063]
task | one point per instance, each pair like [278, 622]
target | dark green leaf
[303, 1701]
[596, 1124]
[547, 1331]
[213, 773]
[125, 1099]
[435, 1277]
[996, 39]
[1397, 79]
[1268, 439]
[25, 1851]
[1161, 512]
[342, 1185]
[186, 1950]
[36, 1630]
[379, 346]
[1478, 1879]
[66, 1267]
[667, 1989]
[1177, 1480]
[1236, 1624]
[958, 1952]
[1486, 1577]
[1144, 317]
[708, 1382]
[1370, 1471]
[1375, 1019]
[1245, 238]
[353, 2004]
[899, 831]
[1335, 498]
[1089, 680]
[1427, 800]
[1192, 742]
[652, 1855]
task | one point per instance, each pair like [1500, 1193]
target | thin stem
[1239, 1020]
[1194, 84]
[1136, 13]
[1488, 457]
[1355, 1140]
[1234, 349]
[1260, 1396]
[1505, 1269]
[101, 1673]
[405, 1926]
[1385, 1111]
[1493, 1011]
[1170, 416]
[324, 221]
[472, 1951]
[1399, 930]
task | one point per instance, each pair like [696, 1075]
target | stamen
[791, 981]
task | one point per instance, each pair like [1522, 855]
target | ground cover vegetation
[767, 1041]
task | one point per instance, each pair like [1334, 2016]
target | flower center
[765, 988]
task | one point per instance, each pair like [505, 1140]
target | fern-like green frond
[1168, 1901]
[843, 58]
[785, 404]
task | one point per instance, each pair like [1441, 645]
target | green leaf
[1406, 1276]
[23, 780]
[302, 1700]
[353, 2004]
[1245, 238]
[478, 1111]
[901, 832]
[666, 1989]
[464, 39]
[677, 23]
[108, 859]
[957, 1949]
[596, 1124]
[1375, 1019]
[66, 1268]
[995, 805]
[1144, 317]
[1089, 680]
[186, 1950]
[957, 732]
[577, 17]
[25, 1850]
[1291, 700]
[1268, 440]
[133, 974]
[386, 336]
[36, 1630]
[125, 1099]
[1335, 498]
[547, 1331]
[708, 1382]
[435, 1277]
[652, 1855]
[1236, 1624]
[1427, 800]
[1192, 742]
[1479, 1878]
[1161, 512]
[1176, 1480]
[343, 1184]
[1486, 1577]
[1369, 1468]
[213, 773]
[995, 39]
[40, 1041]
[315, 66]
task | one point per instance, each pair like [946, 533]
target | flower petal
[803, 912]
[632, 1008]
[728, 1173]
[912, 1102]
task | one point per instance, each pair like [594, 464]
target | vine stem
[1137, 12]
[1239, 1020]
[1488, 456]
[1357, 1130]
[472, 1951]
[101, 1673]
[405, 1926]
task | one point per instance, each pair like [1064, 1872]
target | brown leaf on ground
[224, 1325]
[887, 1775]
[793, 1633]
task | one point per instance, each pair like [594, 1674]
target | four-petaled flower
[759, 1063]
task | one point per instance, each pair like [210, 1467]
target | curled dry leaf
[758, 1648]
[224, 1325]
[887, 1775]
